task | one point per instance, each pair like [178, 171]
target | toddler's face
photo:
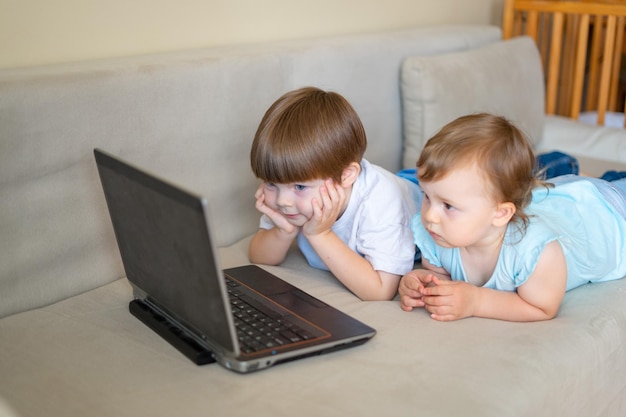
[457, 210]
[293, 201]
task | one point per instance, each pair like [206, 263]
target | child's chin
[297, 222]
[446, 245]
[443, 243]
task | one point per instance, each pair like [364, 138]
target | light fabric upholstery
[188, 116]
[6, 410]
[504, 78]
[86, 356]
[583, 140]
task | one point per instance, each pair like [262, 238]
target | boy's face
[293, 201]
[457, 210]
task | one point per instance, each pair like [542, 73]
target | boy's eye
[299, 187]
[448, 206]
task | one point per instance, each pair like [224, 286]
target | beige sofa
[68, 345]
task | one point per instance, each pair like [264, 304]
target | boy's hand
[276, 217]
[326, 212]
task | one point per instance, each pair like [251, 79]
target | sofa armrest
[597, 148]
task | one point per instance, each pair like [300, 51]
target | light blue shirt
[588, 224]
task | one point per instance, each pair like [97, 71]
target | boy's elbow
[381, 294]
[263, 260]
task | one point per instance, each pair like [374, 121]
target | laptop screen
[166, 249]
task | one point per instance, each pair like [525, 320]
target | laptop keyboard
[259, 326]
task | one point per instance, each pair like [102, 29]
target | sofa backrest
[504, 78]
[186, 116]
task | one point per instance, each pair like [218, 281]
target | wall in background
[40, 32]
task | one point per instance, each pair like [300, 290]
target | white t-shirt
[376, 223]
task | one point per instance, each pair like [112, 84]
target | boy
[348, 216]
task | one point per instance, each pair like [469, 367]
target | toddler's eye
[448, 206]
[299, 187]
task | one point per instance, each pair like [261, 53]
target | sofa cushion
[504, 78]
[598, 148]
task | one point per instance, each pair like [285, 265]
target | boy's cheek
[269, 201]
[269, 205]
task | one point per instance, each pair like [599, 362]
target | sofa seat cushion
[598, 148]
[88, 356]
[504, 78]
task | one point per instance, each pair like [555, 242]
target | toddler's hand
[411, 287]
[275, 216]
[327, 211]
[450, 300]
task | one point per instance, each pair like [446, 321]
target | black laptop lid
[166, 248]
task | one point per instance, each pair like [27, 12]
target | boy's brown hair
[498, 147]
[307, 134]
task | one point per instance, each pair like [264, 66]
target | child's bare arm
[354, 271]
[545, 288]
[269, 247]
[537, 299]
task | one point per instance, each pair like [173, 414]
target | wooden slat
[555, 63]
[532, 25]
[617, 64]
[544, 39]
[598, 8]
[595, 58]
[579, 66]
[568, 51]
[508, 19]
[561, 30]
[605, 74]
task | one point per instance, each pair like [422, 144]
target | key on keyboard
[258, 326]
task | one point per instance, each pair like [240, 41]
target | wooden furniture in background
[581, 45]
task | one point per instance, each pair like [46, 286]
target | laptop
[245, 318]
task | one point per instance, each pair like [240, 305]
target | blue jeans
[555, 164]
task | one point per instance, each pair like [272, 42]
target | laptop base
[172, 334]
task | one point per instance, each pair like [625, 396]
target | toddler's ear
[350, 174]
[504, 213]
